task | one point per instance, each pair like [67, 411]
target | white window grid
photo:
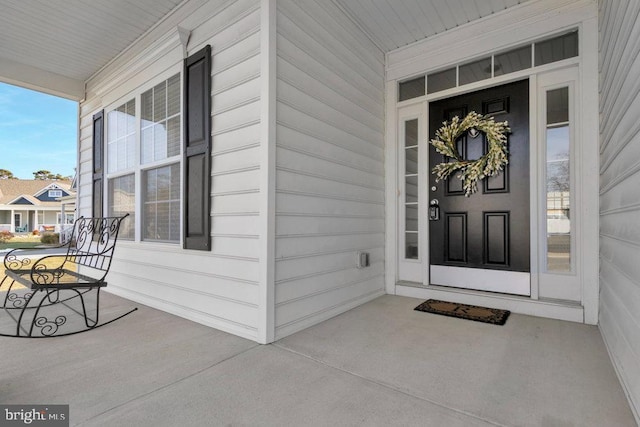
[137, 167]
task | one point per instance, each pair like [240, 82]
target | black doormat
[464, 311]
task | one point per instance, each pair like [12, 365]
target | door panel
[488, 230]
[496, 238]
[456, 237]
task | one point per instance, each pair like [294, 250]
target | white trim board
[22, 75]
[268, 59]
[501, 31]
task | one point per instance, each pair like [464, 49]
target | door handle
[434, 210]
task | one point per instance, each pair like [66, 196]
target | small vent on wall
[363, 260]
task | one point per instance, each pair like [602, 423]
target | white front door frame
[515, 26]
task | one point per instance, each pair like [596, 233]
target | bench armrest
[43, 274]
[21, 258]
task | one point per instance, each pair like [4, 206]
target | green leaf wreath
[470, 171]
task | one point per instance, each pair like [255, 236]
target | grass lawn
[12, 245]
[22, 241]
[51, 262]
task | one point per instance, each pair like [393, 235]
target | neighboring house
[27, 205]
[260, 146]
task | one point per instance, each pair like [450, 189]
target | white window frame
[69, 218]
[551, 284]
[541, 79]
[138, 169]
[54, 193]
[411, 269]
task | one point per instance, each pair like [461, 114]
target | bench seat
[77, 280]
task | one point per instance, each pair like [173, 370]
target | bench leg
[38, 317]
[13, 300]
[49, 326]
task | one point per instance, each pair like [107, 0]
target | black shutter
[197, 150]
[98, 169]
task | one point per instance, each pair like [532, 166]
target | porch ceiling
[391, 24]
[54, 47]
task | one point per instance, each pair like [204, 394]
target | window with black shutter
[154, 138]
[98, 170]
[197, 150]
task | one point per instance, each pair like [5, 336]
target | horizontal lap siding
[85, 172]
[218, 288]
[619, 194]
[329, 160]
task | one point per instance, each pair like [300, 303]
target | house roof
[17, 201]
[55, 47]
[14, 189]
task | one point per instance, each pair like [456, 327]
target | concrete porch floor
[379, 364]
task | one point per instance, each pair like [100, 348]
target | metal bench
[59, 294]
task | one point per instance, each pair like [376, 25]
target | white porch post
[12, 226]
[63, 220]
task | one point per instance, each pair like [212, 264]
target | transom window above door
[535, 54]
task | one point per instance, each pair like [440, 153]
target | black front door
[482, 241]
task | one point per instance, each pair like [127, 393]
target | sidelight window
[411, 188]
[558, 180]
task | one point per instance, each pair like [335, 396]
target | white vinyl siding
[619, 195]
[218, 288]
[329, 165]
[85, 137]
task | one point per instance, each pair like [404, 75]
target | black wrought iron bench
[59, 294]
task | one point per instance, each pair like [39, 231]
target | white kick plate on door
[505, 282]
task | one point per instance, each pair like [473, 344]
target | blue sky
[37, 131]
